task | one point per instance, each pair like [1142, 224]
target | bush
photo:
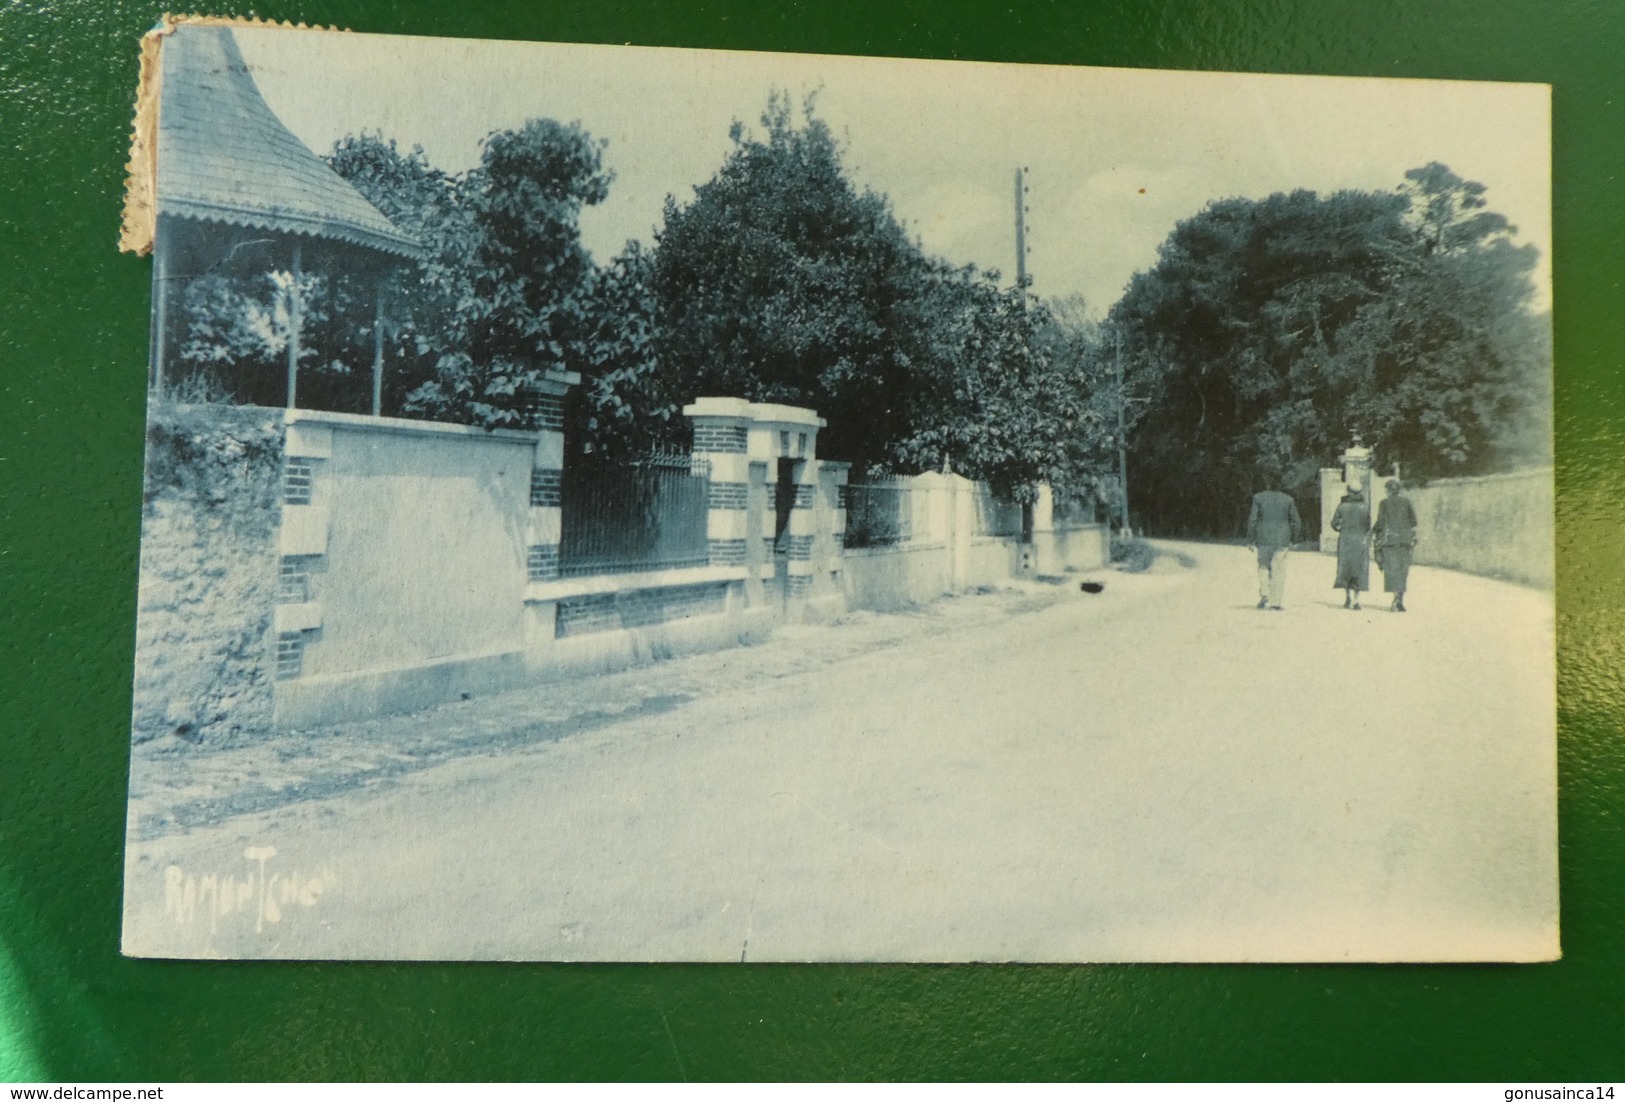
[1132, 554]
[215, 454]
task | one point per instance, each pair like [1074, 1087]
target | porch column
[295, 322]
[378, 349]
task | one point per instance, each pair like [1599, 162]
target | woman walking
[1395, 536]
[1352, 523]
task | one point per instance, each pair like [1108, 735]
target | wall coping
[1377, 478]
[1499, 476]
[904, 547]
[565, 588]
[758, 412]
[404, 426]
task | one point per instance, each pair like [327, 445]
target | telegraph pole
[1021, 288]
[1122, 443]
[1021, 231]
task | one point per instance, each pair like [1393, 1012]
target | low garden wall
[304, 568]
[951, 536]
[885, 579]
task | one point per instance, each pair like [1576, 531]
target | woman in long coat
[1395, 536]
[1352, 523]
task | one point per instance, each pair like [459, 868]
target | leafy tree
[1014, 394]
[1269, 331]
[423, 300]
[780, 282]
[236, 326]
[500, 298]
[626, 405]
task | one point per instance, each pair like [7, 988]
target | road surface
[1160, 772]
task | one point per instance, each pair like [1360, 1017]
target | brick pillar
[1046, 547]
[735, 435]
[803, 529]
[543, 524]
[302, 539]
[790, 433]
[834, 478]
[721, 433]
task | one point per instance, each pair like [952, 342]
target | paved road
[1161, 772]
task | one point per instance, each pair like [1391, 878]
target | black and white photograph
[611, 503]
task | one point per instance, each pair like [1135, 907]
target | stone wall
[1500, 526]
[205, 646]
[959, 537]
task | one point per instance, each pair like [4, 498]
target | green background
[73, 343]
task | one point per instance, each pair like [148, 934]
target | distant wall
[960, 538]
[208, 581]
[1498, 525]
[889, 578]
[1062, 544]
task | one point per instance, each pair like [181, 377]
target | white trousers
[1272, 578]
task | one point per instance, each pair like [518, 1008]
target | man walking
[1273, 527]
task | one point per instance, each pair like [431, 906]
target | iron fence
[878, 514]
[1070, 513]
[647, 514]
[997, 518]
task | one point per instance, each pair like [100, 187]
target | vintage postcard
[628, 504]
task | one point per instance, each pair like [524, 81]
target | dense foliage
[1267, 333]
[1270, 331]
[502, 297]
[782, 282]
[779, 281]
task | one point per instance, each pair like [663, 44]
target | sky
[1114, 158]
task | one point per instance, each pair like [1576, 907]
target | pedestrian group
[1274, 525]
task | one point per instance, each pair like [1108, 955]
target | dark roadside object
[1092, 587]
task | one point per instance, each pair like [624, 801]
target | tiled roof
[224, 156]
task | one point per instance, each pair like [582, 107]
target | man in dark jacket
[1273, 527]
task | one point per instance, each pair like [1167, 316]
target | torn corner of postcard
[139, 220]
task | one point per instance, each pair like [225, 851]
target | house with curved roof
[239, 193]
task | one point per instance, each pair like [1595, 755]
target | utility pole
[1021, 288]
[1122, 443]
[1021, 231]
